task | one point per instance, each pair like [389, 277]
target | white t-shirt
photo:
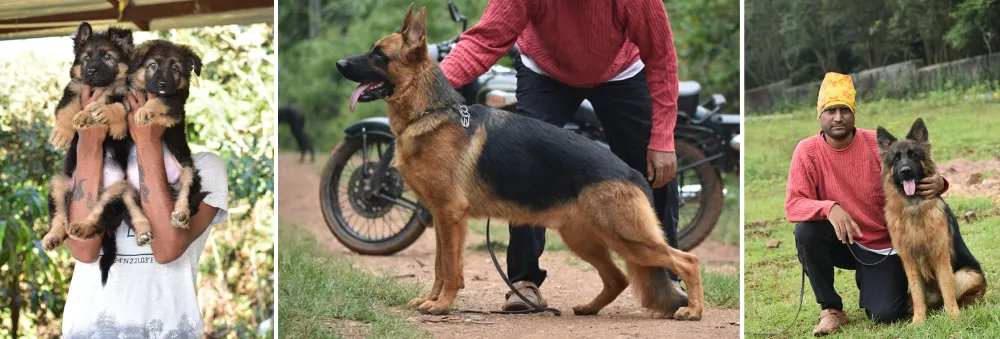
[143, 299]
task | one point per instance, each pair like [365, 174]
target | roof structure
[24, 19]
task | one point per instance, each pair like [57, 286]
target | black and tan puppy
[476, 162]
[939, 266]
[101, 62]
[163, 70]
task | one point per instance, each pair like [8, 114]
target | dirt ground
[566, 285]
[972, 178]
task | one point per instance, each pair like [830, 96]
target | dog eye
[107, 56]
[86, 58]
[153, 67]
[176, 69]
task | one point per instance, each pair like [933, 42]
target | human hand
[931, 186]
[843, 224]
[142, 133]
[661, 166]
[93, 134]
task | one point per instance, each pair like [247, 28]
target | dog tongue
[357, 94]
[909, 186]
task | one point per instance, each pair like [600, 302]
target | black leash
[535, 307]
[802, 290]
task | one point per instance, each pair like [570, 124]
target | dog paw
[179, 219]
[686, 313]
[416, 302]
[82, 120]
[585, 309]
[143, 115]
[434, 308]
[60, 138]
[51, 241]
[144, 238]
[81, 231]
[99, 113]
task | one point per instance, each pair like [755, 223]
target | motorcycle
[707, 142]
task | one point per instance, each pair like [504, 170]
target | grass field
[959, 128]
[322, 296]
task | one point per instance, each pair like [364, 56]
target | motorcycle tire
[711, 204]
[334, 216]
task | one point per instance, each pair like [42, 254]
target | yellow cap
[837, 89]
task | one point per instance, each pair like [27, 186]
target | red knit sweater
[852, 177]
[578, 43]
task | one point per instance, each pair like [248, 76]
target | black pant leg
[819, 252]
[546, 99]
[626, 113]
[883, 286]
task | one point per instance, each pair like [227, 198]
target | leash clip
[466, 117]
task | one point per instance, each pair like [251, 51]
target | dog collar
[463, 112]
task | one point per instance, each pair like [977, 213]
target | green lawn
[959, 128]
[321, 296]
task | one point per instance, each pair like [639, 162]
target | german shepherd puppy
[101, 61]
[163, 69]
[476, 162]
[939, 266]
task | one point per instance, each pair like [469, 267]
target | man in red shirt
[618, 55]
[835, 195]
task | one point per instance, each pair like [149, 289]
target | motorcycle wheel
[343, 184]
[707, 200]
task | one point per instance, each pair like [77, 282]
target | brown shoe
[829, 321]
[530, 291]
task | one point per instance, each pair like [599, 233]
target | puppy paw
[81, 231]
[82, 120]
[585, 309]
[144, 238]
[99, 113]
[61, 137]
[52, 240]
[179, 219]
[143, 115]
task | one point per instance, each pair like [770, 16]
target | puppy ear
[139, 55]
[918, 132]
[121, 37]
[885, 139]
[83, 34]
[194, 60]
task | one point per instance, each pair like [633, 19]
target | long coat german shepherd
[476, 162]
[925, 232]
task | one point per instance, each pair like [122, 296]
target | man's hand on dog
[929, 187]
[661, 166]
[843, 224]
[143, 132]
[95, 133]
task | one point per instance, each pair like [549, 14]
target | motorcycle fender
[369, 125]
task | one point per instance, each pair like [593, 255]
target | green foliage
[815, 37]
[706, 35]
[230, 113]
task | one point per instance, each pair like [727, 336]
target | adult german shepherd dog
[475, 162]
[939, 266]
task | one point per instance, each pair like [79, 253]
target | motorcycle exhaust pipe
[735, 143]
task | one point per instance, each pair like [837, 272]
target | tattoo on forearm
[143, 190]
[78, 191]
[90, 200]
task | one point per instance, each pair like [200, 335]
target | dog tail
[970, 286]
[654, 288]
[110, 249]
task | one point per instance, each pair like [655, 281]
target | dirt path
[566, 285]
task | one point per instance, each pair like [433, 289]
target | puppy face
[163, 68]
[100, 58]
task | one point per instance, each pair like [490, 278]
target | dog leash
[802, 292]
[535, 307]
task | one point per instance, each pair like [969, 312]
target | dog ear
[83, 34]
[885, 139]
[139, 55]
[406, 20]
[416, 34]
[918, 132]
[194, 60]
[121, 37]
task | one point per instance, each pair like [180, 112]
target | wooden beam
[141, 15]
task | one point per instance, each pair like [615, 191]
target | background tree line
[315, 34]
[802, 40]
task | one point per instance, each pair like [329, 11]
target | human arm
[88, 176]
[482, 45]
[933, 186]
[169, 242]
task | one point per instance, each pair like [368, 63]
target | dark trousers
[883, 286]
[626, 112]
